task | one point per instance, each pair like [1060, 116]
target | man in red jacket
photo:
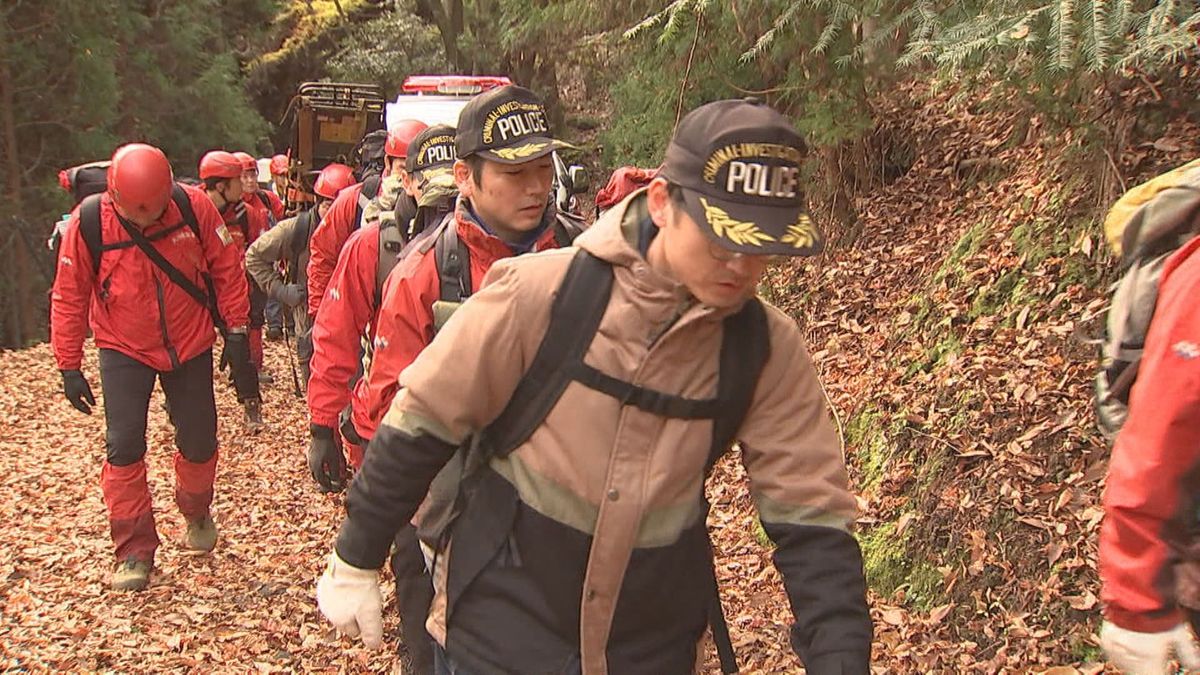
[253, 195]
[149, 326]
[355, 291]
[1150, 510]
[504, 171]
[264, 210]
[345, 215]
[245, 224]
[503, 210]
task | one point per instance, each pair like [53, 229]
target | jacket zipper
[162, 323]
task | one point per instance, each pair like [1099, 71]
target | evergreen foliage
[78, 79]
[1058, 40]
[387, 49]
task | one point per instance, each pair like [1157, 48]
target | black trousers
[127, 384]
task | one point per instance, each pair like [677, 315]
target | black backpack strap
[205, 300]
[300, 239]
[184, 204]
[266, 202]
[453, 265]
[370, 188]
[574, 319]
[745, 348]
[89, 229]
[93, 233]
[391, 242]
[654, 402]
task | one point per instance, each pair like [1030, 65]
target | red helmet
[401, 135]
[333, 179]
[247, 160]
[279, 165]
[220, 164]
[140, 181]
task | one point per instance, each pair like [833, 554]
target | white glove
[1148, 653]
[349, 597]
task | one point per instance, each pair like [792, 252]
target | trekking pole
[287, 339]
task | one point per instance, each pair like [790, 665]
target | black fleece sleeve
[822, 572]
[387, 492]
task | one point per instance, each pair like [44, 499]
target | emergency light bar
[452, 84]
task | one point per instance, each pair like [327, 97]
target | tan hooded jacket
[626, 483]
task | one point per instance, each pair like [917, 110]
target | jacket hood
[614, 238]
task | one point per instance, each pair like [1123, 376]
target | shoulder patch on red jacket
[1186, 350]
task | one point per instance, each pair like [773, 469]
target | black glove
[77, 391]
[236, 355]
[325, 459]
[291, 294]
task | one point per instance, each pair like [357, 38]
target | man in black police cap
[580, 545]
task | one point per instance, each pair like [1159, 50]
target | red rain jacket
[1154, 473]
[340, 325]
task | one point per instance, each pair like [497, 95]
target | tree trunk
[449, 20]
[546, 84]
[22, 324]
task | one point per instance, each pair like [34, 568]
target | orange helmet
[401, 135]
[220, 164]
[333, 179]
[140, 181]
[247, 160]
[279, 165]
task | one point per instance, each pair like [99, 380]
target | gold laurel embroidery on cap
[802, 233]
[520, 151]
[740, 232]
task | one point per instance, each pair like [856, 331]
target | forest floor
[945, 338]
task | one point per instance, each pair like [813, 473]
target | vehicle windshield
[428, 109]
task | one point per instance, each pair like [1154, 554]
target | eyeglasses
[725, 256]
[722, 254]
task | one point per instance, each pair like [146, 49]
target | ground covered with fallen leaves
[947, 336]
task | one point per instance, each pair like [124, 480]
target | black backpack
[394, 238]
[1168, 217]
[575, 315]
[93, 238]
[369, 154]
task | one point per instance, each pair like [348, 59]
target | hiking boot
[131, 575]
[254, 420]
[274, 333]
[201, 534]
